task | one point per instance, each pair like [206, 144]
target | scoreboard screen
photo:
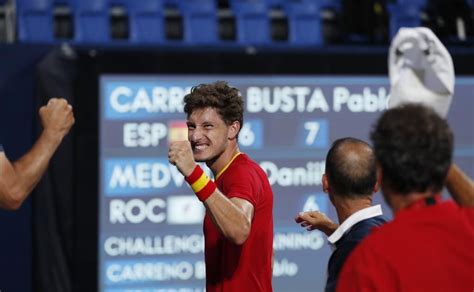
[150, 234]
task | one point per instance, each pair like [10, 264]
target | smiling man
[238, 226]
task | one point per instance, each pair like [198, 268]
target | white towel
[420, 70]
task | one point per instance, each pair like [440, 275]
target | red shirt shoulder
[243, 179]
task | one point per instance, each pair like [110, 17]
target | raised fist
[57, 117]
[181, 154]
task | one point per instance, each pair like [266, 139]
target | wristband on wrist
[202, 186]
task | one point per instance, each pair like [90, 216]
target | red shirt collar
[424, 202]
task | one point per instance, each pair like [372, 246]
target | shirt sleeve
[469, 213]
[1, 148]
[241, 183]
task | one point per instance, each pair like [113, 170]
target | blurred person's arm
[316, 220]
[18, 179]
[460, 186]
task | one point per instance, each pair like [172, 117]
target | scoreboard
[150, 235]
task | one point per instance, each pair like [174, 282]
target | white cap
[421, 70]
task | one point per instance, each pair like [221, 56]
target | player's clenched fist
[57, 117]
[181, 155]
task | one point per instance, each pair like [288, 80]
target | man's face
[208, 134]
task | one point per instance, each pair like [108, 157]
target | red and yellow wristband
[201, 184]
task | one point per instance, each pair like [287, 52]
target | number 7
[313, 128]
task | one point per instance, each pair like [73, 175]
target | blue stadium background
[60, 47]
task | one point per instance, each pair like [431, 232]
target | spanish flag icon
[177, 131]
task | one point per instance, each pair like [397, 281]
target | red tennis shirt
[246, 267]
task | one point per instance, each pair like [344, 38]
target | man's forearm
[329, 228]
[18, 179]
[460, 186]
[30, 167]
[233, 219]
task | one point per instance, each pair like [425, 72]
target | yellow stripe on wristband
[200, 183]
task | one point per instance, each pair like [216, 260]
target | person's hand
[180, 154]
[57, 118]
[316, 220]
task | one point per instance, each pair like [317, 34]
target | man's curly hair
[414, 147]
[219, 95]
